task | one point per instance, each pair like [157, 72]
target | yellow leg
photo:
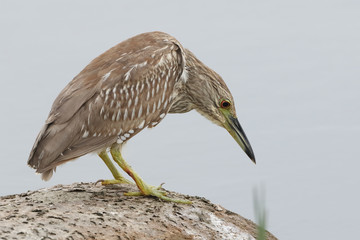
[118, 178]
[145, 189]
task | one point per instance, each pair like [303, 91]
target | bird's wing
[117, 94]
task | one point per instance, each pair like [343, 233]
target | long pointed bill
[234, 128]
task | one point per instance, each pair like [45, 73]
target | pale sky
[292, 67]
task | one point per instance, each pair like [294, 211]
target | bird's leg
[144, 188]
[118, 178]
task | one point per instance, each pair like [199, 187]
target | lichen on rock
[89, 211]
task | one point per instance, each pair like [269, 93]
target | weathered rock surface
[89, 211]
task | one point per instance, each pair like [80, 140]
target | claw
[159, 187]
[99, 181]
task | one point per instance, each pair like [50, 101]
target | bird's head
[211, 97]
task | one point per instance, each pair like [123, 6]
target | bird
[130, 87]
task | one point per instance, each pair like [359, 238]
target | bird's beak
[234, 128]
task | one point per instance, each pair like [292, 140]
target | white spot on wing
[160, 49]
[107, 91]
[165, 86]
[143, 64]
[107, 75]
[136, 100]
[121, 56]
[114, 92]
[133, 114]
[125, 114]
[184, 75]
[97, 99]
[157, 88]
[126, 93]
[154, 107]
[141, 125]
[152, 92]
[118, 115]
[132, 91]
[148, 109]
[163, 97]
[161, 61]
[86, 133]
[140, 111]
[159, 104]
[162, 115]
[127, 74]
[137, 87]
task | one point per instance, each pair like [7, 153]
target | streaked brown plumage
[124, 90]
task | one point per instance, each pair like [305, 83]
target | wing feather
[124, 90]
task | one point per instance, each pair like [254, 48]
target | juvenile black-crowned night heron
[124, 90]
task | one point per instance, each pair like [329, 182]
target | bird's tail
[52, 140]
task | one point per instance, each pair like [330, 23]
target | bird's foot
[147, 190]
[114, 181]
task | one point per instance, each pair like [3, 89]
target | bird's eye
[225, 104]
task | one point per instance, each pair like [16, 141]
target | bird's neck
[194, 89]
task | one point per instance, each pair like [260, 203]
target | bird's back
[127, 88]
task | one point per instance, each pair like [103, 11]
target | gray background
[293, 68]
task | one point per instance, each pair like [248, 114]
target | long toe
[114, 181]
[157, 192]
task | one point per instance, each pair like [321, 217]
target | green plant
[260, 213]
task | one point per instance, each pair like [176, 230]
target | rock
[89, 211]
